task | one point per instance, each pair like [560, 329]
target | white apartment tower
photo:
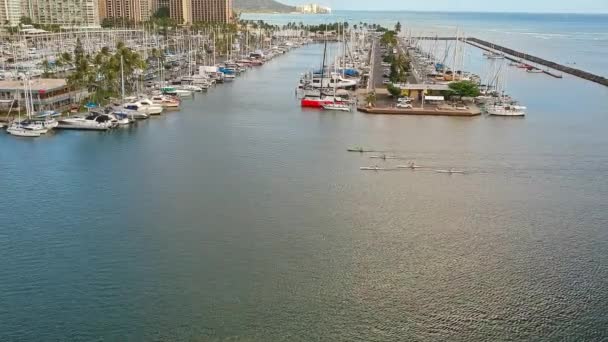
[10, 12]
[63, 12]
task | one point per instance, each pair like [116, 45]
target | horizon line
[468, 11]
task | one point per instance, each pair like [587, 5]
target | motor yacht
[144, 106]
[91, 122]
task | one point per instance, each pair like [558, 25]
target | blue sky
[568, 6]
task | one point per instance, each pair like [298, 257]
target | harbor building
[66, 13]
[10, 12]
[47, 93]
[189, 11]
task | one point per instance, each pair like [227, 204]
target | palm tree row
[101, 74]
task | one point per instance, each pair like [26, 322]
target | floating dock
[420, 111]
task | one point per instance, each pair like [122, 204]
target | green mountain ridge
[261, 6]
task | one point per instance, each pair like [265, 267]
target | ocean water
[243, 218]
[579, 40]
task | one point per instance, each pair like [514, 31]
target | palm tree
[371, 99]
[46, 66]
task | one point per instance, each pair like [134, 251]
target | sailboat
[313, 101]
[27, 128]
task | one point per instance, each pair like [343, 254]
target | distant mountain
[262, 6]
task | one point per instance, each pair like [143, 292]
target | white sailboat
[27, 128]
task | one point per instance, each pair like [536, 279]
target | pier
[488, 46]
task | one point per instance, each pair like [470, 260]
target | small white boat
[122, 118]
[177, 92]
[134, 114]
[506, 110]
[22, 132]
[337, 107]
[36, 126]
[144, 106]
[165, 101]
[190, 87]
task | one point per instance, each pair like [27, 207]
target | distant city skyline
[541, 6]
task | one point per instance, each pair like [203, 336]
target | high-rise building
[219, 11]
[103, 13]
[134, 10]
[10, 12]
[189, 11]
[63, 12]
[181, 11]
[156, 4]
[146, 9]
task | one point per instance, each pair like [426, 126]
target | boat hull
[315, 103]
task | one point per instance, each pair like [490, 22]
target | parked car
[386, 82]
[404, 105]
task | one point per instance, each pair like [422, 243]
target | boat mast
[122, 79]
[323, 65]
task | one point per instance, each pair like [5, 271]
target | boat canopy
[226, 71]
[350, 72]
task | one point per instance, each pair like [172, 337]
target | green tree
[393, 90]
[464, 89]
[161, 12]
[400, 66]
[398, 27]
[26, 20]
[371, 99]
[78, 50]
[389, 38]
[46, 67]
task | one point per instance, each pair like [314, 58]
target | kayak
[413, 167]
[383, 157]
[373, 168]
[449, 171]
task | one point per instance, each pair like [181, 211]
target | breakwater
[525, 56]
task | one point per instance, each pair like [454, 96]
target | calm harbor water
[242, 218]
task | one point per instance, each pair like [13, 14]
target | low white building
[313, 9]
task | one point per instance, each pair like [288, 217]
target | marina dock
[420, 111]
[512, 54]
